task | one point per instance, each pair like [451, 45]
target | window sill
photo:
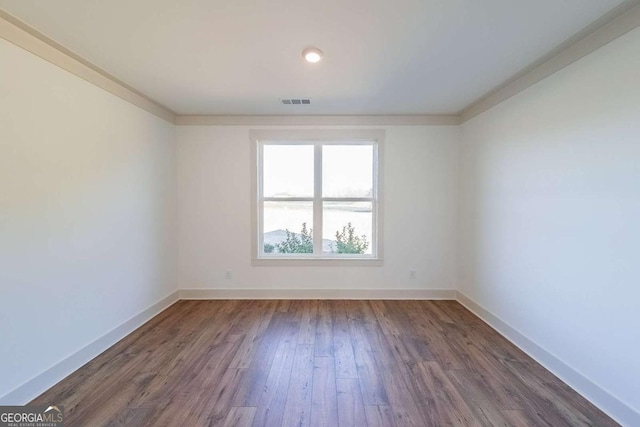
[316, 262]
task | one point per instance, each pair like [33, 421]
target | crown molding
[21, 34]
[609, 27]
[318, 120]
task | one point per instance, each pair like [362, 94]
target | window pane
[287, 227]
[347, 227]
[347, 171]
[288, 170]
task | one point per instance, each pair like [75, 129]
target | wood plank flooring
[317, 363]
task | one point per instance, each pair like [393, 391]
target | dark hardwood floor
[332, 363]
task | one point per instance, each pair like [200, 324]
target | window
[316, 196]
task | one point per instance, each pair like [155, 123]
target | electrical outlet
[227, 274]
[412, 274]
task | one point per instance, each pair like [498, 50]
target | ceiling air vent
[296, 101]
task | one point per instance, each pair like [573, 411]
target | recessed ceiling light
[312, 55]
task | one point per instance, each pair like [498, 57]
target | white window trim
[324, 136]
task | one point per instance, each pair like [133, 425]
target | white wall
[550, 215]
[546, 187]
[420, 174]
[87, 201]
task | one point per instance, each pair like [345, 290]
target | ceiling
[241, 56]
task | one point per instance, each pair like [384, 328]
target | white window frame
[316, 138]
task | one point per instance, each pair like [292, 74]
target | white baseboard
[45, 380]
[614, 407]
[398, 294]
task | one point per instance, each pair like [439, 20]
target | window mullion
[317, 200]
[348, 199]
[287, 199]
